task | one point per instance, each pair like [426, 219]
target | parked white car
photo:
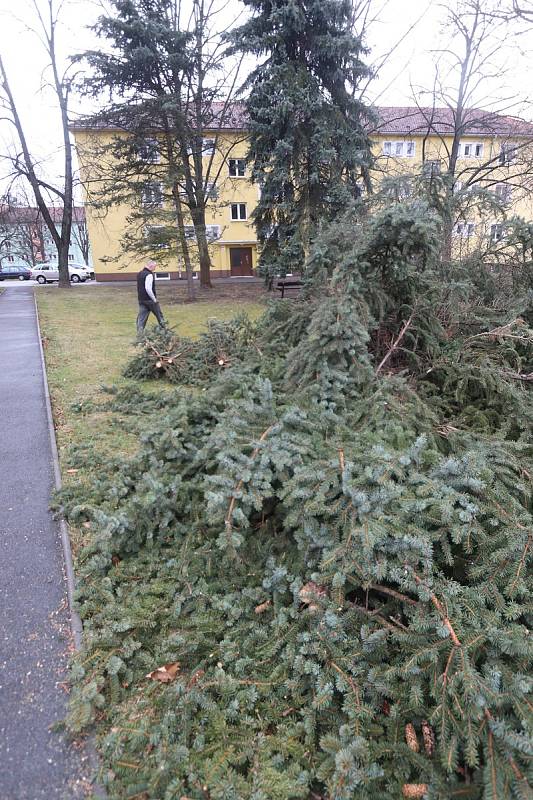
[48, 272]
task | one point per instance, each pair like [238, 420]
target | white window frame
[213, 232]
[465, 229]
[237, 164]
[508, 153]
[152, 202]
[504, 193]
[399, 148]
[431, 167]
[208, 146]
[238, 209]
[471, 149]
[149, 151]
[211, 192]
[495, 229]
[148, 230]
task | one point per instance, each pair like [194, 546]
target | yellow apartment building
[496, 154]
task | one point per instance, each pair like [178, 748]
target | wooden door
[240, 261]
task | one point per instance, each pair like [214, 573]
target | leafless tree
[178, 108]
[22, 161]
[472, 60]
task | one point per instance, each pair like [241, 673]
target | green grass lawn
[89, 334]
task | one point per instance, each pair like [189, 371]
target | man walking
[146, 294]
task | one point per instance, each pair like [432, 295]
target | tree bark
[182, 242]
[198, 218]
[66, 220]
[30, 169]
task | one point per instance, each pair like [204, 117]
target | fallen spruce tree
[311, 581]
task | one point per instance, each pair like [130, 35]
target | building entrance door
[240, 259]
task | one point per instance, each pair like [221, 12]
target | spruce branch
[440, 608]
[405, 327]
[238, 487]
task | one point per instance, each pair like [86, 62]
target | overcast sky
[413, 30]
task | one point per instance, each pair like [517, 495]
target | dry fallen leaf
[262, 606]
[166, 673]
[414, 790]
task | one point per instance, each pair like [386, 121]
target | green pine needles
[309, 149]
[333, 538]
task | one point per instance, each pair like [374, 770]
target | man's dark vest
[142, 294]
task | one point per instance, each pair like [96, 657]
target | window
[155, 236]
[212, 232]
[10, 259]
[237, 167]
[238, 211]
[431, 168]
[211, 191]
[399, 149]
[496, 232]
[508, 152]
[470, 149]
[152, 194]
[208, 146]
[70, 257]
[503, 192]
[464, 229]
[149, 151]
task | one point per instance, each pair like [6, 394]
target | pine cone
[429, 738]
[411, 737]
[414, 790]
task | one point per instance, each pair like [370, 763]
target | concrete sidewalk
[35, 632]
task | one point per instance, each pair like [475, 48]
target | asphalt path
[35, 761]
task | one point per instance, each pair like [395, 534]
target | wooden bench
[290, 282]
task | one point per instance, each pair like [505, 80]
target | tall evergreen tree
[166, 75]
[308, 147]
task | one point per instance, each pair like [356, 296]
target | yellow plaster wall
[106, 229]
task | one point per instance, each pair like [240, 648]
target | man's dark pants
[144, 312]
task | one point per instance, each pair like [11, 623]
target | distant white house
[26, 241]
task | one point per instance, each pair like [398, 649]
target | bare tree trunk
[30, 173]
[39, 186]
[182, 239]
[66, 220]
[198, 218]
[182, 242]
[198, 211]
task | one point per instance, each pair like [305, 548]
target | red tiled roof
[17, 215]
[231, 116]
[476, 122]
[398, 120]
